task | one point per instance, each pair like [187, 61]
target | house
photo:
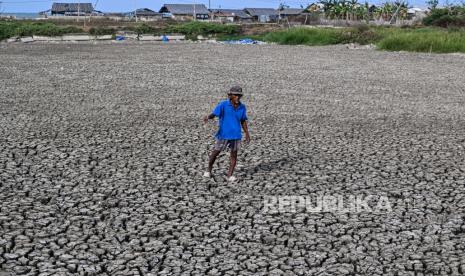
[230, 15]
[185, 11]
[416, 13]
[316, 8]
[72, 9]
[262, 15]
[116, 16]
[290, 14]
[146, 15]
[372, 9]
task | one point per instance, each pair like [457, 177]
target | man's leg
[232, 162]
[212, 159]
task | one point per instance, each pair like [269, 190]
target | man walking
[232, 115]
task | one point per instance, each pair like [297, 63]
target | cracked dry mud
[102, 150]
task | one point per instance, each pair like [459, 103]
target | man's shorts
[233, 145]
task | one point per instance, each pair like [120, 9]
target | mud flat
[102, 149]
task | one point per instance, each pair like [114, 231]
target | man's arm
[215, 113]
[246, 130]
[209, 117]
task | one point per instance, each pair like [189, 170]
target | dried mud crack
[102, 151]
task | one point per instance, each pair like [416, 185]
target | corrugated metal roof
[291, 11]
[184, 9]
[146, 12]
[232, 12]
[260, 11]
[72, 7]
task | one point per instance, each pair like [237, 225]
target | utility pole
[135, 9]
[195, 16]
[95, 7]
[85, 15]
[79, 10]
[394, 16]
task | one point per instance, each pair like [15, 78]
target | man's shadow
[270, 166]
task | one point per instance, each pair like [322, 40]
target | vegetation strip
[424, 39]
[191, 29]
[415, 39]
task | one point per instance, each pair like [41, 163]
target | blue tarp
[245, 41]
[120, 38]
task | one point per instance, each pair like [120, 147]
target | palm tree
[377, 13]
[361, 13]
[387, 10]
[345, 9]
[353, 7]
[327, 6]
[400, 10]
[339, 9]
[403, 10]
[366, 13]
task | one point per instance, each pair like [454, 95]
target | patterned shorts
[233, 145]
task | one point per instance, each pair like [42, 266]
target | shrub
[201, 28]
[445, 17]
[295, 36]
[361, 35]
[144, 29]
[9, 29]
[324, 36]
[392, 39]
[436, 41]
[102, 31]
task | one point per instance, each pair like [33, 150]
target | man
[232, 115]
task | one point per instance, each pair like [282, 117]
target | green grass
[145, 29]
[424, 39]
[386, 38]
[191, 29]
[305, 36]
[323, 36]
[202, 28]
[102, 31]
[10, 29]
[435, 41]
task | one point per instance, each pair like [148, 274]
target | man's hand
[208, 117]
[247, 138]
[246, 130]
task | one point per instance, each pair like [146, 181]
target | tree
[283, 6]
[386, 11]
[337, 10]
[327, 7]
[353, 7]
[377, 12]
[400, 8]
[432, 4]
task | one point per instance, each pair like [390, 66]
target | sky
[33, 6]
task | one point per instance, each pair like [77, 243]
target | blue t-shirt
[230, 119]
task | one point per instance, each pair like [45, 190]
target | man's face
[235, 98]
